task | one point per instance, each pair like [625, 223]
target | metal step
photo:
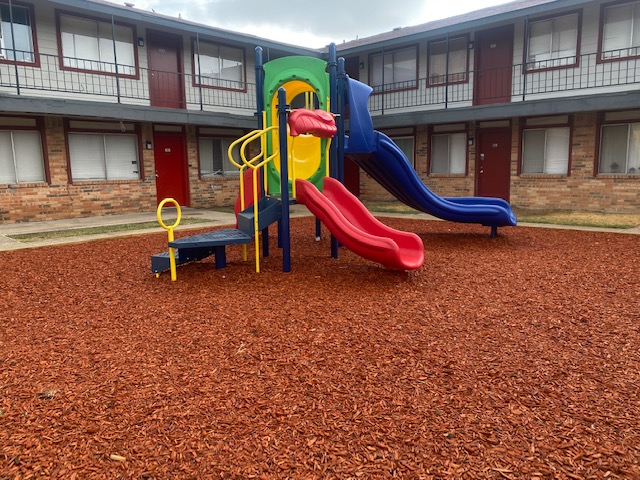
[197, 247]
[269, 211]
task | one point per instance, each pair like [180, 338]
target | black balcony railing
[511, 83]
[103, 82]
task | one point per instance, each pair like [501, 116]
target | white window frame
[554, 152]
[399, 71]
[94, 51]
[207, 165]
[454, 165]
[631, 155]
[25, 31]
[219, 66]
[620, 35]
[102, 155]
[11, 160]
[549, 45]
[457, 64]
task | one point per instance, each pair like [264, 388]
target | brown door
[171, 176]
[166, 79]
[493, 163]
[352, 67]
[352, 176]
[494, 65]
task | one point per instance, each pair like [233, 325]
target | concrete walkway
[209, 219]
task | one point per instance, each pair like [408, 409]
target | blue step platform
[197, 247]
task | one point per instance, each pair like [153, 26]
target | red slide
[357, 229]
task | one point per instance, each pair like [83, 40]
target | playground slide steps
[198, 247]
[269, 212]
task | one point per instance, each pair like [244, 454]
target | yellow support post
[255, 163]
[172, 252]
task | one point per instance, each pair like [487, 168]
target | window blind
[457, 152]
[7, 168]
[557, 151]
[121, 155]
[533, 146]
[86, 156]
[28, 155]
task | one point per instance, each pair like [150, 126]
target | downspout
[446, 73]
[13, 44]
[525, 66]
[382, 93]
[199, 71]
[115, 56]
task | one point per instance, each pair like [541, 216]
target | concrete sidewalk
[210, 219]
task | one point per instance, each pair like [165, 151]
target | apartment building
[534, 101]
[107, 108]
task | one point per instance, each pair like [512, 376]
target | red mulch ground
[516, 357]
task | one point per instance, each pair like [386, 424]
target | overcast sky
[312, 24]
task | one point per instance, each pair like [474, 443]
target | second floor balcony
[90, 80]
[113, 84]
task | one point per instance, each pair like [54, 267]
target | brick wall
[443, 185]
[581, 190]
[210, 192]
[60, 199]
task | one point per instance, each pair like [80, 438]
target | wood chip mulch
[509, 358]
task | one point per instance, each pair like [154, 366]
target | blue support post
[333, 158]
[259, 68]
[333, 99]
[259, 86]
[283, 108]
[342, 92]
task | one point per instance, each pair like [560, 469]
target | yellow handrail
[254, 164]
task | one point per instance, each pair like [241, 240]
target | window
[91, 45]
[620, 149]
[451, 68]
[21, 158]
[16, 42]
[405, 144]
[103, 155]
[214, 159]
[448, 153]
[620, 31]
[546, 150]
[553, 42]
[398, 71]
[219, 66]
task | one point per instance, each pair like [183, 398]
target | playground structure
[301, 159]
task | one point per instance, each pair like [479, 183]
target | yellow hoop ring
[159, 213]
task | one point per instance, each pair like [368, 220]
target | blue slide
[383, 160]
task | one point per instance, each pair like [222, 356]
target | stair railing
[255, 164]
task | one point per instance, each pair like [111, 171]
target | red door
[493, 163]
[494, 65]
[352, 176]
[166, 79]
[170, 158]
